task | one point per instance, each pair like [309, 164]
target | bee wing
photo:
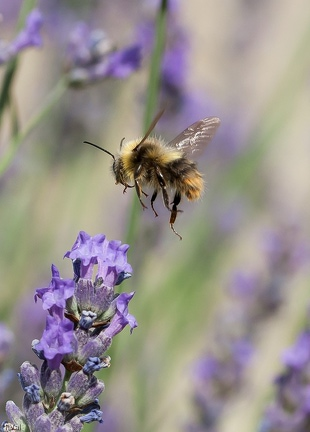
[197, 136]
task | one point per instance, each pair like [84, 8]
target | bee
[165, 167]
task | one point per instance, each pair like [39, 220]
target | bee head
[118, 171]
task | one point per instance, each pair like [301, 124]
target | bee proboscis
[165, 167]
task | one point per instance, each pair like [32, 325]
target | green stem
[151, 103]
[151, 106]
[155, 67]
[18, 138]
[65, 381]
[5, 95]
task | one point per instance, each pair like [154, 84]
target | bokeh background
[244, 61]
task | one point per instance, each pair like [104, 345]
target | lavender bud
[94, 415]
[94, 364]
[87, 319]
[66, 402]
[33, 393]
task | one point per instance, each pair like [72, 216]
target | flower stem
[155, 66]
[151, 102]
[42, 112]
[5, 94]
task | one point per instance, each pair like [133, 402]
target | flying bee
[165, 167]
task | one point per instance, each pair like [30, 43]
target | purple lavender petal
[77, 50]
[87, 249]
[117, 253]
[57, 340]
[114, 263]
[122, 63]
[30, 36]
[57, 292]
[111, 257]
[121, 317]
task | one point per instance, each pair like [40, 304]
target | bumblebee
[164, 167]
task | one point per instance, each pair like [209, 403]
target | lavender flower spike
[28, 37]
[91, 57]
[84, 315]
[290, 411]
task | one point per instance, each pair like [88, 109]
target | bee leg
[138, 186]
[176, 201]
[127, 186]
[139, 191]
[152, 202]
[163, 186]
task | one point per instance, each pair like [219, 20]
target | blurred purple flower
[6, 341]
[122, 63]
[290, 411]
[28, 37]
[91, 57]
[256, 296]
[243, 284]
[285, 249]
[298, 356]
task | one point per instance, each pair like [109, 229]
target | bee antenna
[121, 143]
[100, 148]
[152, 125]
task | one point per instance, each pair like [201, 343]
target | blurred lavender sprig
[30, 36]
[290, 410]
[220, 373]
[84, 315]
[91, 56]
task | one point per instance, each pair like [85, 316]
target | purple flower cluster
[91, 57]
[84, 314]
[291, 409]
[28, 37]
[220, 374]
